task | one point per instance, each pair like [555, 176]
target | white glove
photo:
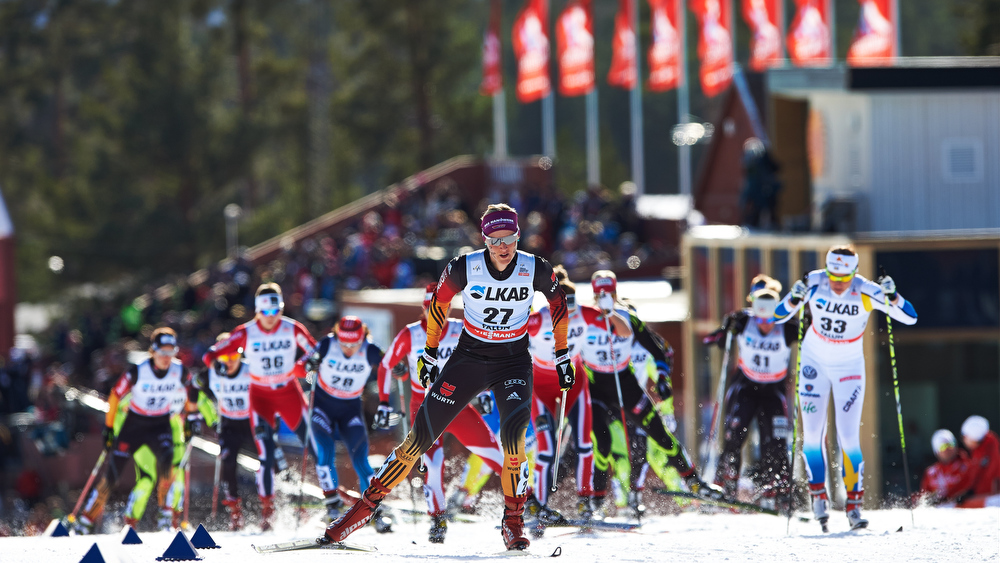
[381, 420]
[888, 287]
[670, 422]
[606, 302]
[798, 290]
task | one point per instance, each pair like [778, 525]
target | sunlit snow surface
[939, 535]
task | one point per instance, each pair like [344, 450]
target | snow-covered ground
[939, 535]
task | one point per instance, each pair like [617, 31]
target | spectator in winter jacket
[984, 447]
[950, 476]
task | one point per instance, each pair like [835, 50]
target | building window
[962, 160]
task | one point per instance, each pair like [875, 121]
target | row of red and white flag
[808, 43]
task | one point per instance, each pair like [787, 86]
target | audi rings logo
[809, 372]
[513, 382]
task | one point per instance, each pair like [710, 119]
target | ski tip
[900, 529]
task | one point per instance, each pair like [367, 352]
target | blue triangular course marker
[180, 550]
[129, 537]
[93, 556]
[202, 540]
[56, 529]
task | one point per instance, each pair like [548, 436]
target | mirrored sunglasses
[836, 278]
[350, 344]
[497, 241]
[171, 351]
[271, 312]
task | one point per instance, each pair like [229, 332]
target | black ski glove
[564, 370]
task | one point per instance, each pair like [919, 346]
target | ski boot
[382, 520]
[549, 516]
[585, 507]
[334, 505]
[83, 526]
[821, 506]
[532, 506]
[457, 500]
[439, 527]
[266, 512]
[853, 507]
[166, 520]
[359, 514]
[132, 522]
[235, 513]
[635, 504]
[703, 489]
[512, 527]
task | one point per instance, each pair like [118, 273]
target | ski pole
[215, 486]
[406, 431]
[86, 488]
[795, 424]
[559, 432]
[185, 466]
[305, 443]
[720, 393]
[218, 468]
[899, 405]
[618, 384]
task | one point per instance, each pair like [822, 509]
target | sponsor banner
[530, 38]
[575, 48]
[665, 52]
[492, 72]
[762, 17]
[715, 45]
[809, 37]
[623, 73]
[874, 42]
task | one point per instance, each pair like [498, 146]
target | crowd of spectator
[404, 243]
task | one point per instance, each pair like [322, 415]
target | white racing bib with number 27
[497, 310]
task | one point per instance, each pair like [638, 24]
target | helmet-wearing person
[159, 386]
[271, 343]
[226, 385]
[840, 302]
[468, 427]
[343, 362]
[984, 453]
[606, 372]
[546, 405]
[758, 390]
[497, 286]
[950, 476]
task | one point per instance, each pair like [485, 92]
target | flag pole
[683, 104]
[896, 52]
[499, 125]
[635, 97]
[593, 146]
[831, 19]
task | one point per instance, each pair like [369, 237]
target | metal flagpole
[549, 125]
[593, 145]
[635, 103]
[683, 104]
[499, 125]
[831, 19]
[896, 35]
